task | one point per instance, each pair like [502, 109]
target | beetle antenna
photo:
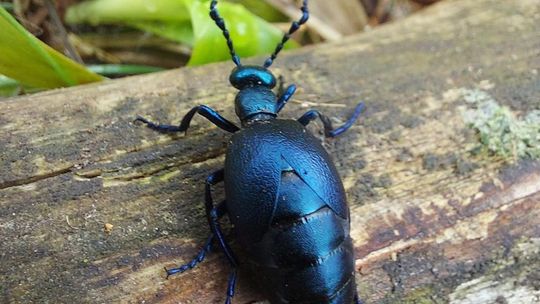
[214, 14]
[294, 27]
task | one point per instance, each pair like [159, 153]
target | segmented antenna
[214, 14]
[294, 27]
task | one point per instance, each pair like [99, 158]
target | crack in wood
[156, 170]
[33, 179]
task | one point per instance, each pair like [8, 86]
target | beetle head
[255, 97]
[250, 76]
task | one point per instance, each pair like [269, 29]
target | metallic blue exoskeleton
[283, 194]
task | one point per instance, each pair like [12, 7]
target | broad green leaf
[251, 35]
[166, 18]
[264, 10]
[31, 62]
[180, 31]
[118, 11]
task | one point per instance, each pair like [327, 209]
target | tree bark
[92, 206]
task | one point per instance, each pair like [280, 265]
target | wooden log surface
[432, 222]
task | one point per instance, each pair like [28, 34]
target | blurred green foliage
[121, 69]
[8, 87]
[27, 63]
[7, 5]
[33, 63]
[187, 21]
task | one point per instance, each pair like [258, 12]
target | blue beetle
[284, 196]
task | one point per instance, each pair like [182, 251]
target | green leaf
[263, 9]
[8, 87]
[251, 35]
[119, 11]
[180, 31]
[31, 62]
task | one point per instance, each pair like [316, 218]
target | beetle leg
[285, 96]
[220, 210]
[216, 229]
[199, 258]
[329, 131]
[213, 215]
[231, 285]
[203, 110]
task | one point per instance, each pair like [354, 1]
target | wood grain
[432, 221]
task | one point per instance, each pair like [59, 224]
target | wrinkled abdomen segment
[307, 255]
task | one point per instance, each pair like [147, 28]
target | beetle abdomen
[306, 256]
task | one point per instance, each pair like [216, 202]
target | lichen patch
[501, 131]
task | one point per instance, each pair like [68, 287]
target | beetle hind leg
[213, 218]
[198, 259]
[219, 211]
[231, 285]
[213, 214]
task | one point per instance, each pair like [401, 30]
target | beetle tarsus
[158, 127]
[198, 259]
[231, 285]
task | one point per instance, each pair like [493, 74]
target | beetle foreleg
[203, 110]
[283, 98]
[329, 131]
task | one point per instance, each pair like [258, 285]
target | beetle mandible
[284, 196]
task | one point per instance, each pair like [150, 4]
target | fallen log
[92, 206]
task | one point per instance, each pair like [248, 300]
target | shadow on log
[93, 207]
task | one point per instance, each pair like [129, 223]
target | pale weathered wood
[431, 222]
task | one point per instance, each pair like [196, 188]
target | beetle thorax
[254, 102]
